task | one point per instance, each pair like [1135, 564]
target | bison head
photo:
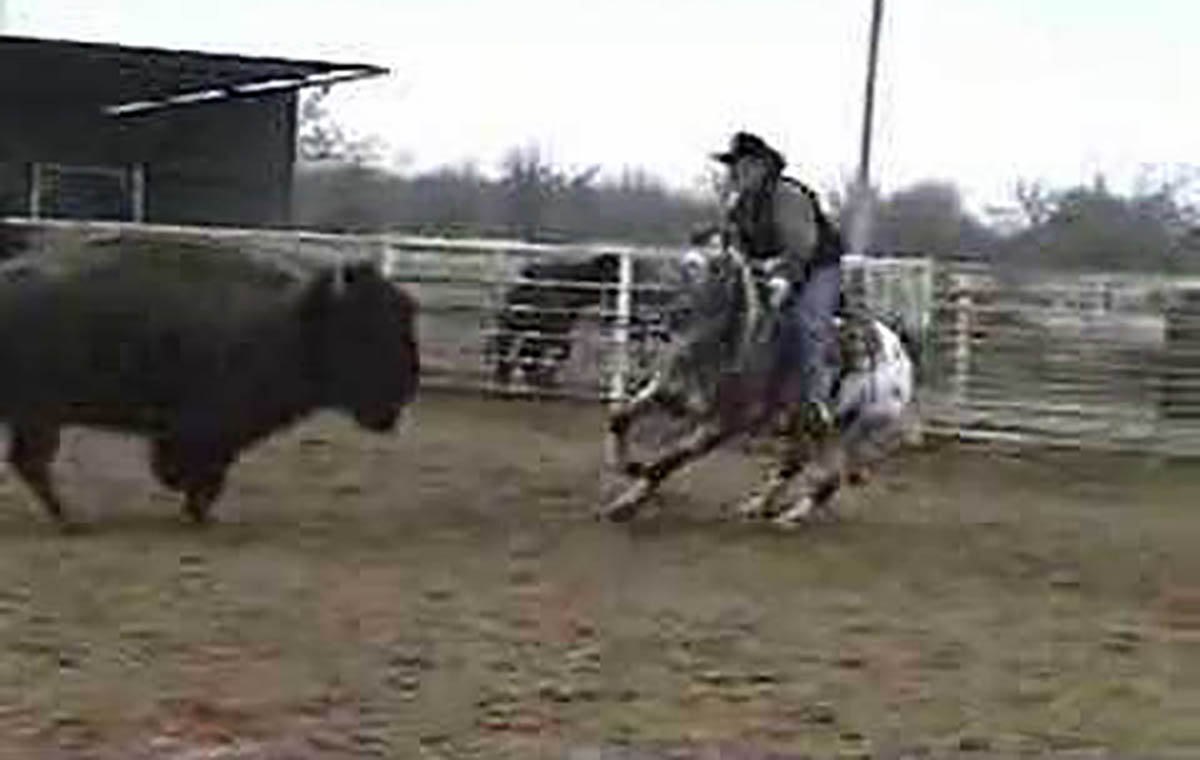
[361, 337]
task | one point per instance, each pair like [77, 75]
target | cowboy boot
[818, 420]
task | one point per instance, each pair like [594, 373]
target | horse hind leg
[762, 504]
[879, 439]
[31, 452]
[816, 503]
[819, 492]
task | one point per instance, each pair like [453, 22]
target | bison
[201, 349]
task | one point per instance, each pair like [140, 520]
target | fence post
[490, 321]
[962, 344]
[137, 192]
[34, 201]
[619, 381]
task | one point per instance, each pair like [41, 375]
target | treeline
[341, 187]
[1088, 227]
[530, 201]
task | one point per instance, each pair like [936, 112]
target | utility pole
[860, 232]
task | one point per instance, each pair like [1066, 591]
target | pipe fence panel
[1096, 360]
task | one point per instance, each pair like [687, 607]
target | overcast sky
[981, 92]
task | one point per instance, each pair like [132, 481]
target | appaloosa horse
[715, 378]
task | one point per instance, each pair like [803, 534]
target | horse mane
[723, 336]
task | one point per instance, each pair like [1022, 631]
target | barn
[111, 132]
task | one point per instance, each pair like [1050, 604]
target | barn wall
[221, 163]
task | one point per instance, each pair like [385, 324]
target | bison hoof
[202, 520]
[199, 515]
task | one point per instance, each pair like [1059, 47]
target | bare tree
[321, 139]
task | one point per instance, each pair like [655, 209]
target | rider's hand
[779, 288]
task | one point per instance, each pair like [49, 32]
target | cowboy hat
[746, 144]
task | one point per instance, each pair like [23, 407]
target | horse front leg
[623, 416]
[797, 449]
[708, 436]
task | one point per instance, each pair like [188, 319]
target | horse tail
[14, 240]
[911, 342]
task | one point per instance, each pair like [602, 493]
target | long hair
[750, 221]
[829, 237]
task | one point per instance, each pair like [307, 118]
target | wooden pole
[860, 231]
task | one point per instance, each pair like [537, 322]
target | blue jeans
[808, 339]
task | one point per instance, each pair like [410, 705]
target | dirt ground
[446, 593]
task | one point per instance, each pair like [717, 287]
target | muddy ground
[445, 593]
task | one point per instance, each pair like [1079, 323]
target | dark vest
[751, 225]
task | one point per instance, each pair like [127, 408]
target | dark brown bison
[200, 348]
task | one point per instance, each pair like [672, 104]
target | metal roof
[121, 79]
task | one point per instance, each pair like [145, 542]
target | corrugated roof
[122, 79]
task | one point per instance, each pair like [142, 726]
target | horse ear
[702, 235]
[357, 272]
[319, 294]
[344, 276]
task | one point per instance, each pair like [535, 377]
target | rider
[777, 223]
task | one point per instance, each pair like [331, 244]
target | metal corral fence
[1090, 360]
[1096, 361]
[463, 285]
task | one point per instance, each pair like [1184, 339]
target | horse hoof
[754, 508]
[786, 523]
[625, 506]
[790, 524]
[618, 512]
[799, 515]
[825, 515]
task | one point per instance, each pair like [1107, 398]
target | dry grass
[446, 594]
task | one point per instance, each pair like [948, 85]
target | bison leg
[196, 468]
[202, 486]
[31, 452]
[166, 465]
